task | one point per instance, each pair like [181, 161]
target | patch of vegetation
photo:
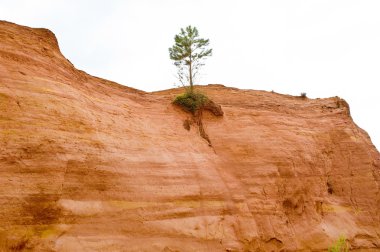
[191, 101]
[303, 95]
[196, 103]
[339, 246]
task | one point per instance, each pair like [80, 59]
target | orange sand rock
[89, 165]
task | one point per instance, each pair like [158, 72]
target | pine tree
[188, 54]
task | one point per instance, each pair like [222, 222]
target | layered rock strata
[89, 165]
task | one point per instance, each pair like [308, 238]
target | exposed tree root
[202, 132]
[197, 118]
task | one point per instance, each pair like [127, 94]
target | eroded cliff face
[90, 165]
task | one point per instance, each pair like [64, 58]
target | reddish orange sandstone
[89, 165]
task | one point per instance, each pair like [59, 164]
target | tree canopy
[188, 53]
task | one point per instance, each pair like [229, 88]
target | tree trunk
[191, 75]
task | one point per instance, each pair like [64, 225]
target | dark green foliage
[191, 101]
[188, 52]
[303, 95]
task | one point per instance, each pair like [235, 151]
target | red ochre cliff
[89, 165]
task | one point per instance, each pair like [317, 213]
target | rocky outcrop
[90, 165]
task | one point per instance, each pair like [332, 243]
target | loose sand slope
[89, 165]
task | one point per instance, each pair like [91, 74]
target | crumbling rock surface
[89, 165]
[214, 108]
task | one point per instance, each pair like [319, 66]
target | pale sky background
[322, 47]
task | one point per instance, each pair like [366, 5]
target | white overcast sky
[322, 47]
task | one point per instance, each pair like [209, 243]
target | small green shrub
[339, 246]
[303, 95]
[191, 101]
